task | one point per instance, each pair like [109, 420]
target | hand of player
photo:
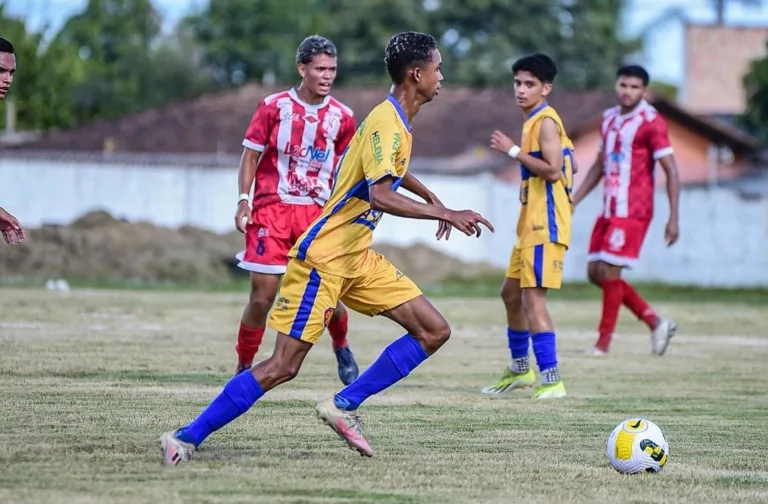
[444, 227]
[501, 142]
[468, 222]
[672, 233]
[10, 228]
[243, 214]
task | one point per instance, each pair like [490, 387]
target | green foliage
[664, 89]
[111, 58]
[756, 86]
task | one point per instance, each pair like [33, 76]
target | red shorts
[617, 240]
[275, 229]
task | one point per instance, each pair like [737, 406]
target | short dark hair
[312, 46]
[5, 46]
[539, 65]
[405, 50]
[634, 71]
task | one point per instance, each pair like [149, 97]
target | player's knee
[434, 335]
[261, 301]
[278, 370]
[512, 299]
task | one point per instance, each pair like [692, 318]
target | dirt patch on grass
[97, 246]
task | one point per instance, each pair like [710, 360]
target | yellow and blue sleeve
[381, 142]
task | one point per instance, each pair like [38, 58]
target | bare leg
[251, 334]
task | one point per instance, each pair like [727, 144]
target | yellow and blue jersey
[547, 207]
[338, 241]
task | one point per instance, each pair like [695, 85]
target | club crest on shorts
[327, 316]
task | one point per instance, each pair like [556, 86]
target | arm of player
[551, 165]
[594, 175]
[672, 231]
[245, 177]
[662, 151]
[10, 228]
[414, 185]
[385, 199]
[256, 138]
[379, 151]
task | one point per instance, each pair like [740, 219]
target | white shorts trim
[613, 259]
[267, 269]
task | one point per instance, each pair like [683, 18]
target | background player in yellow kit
[543, 229]
[332, 261]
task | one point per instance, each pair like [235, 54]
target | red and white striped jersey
[630, 145]
[300, 145]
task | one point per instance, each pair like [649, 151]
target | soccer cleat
[347, 424]
[175, 451]
[347, 365]
[661, 335]
[596, 352]
[511, 381]
[550, 391]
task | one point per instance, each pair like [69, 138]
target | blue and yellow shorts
[538, 266]
[308, 297]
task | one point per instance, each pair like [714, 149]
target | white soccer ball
[637, 445]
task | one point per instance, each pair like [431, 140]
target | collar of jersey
[400, 111]
[632, 113]
[307, 106]
[537, 110]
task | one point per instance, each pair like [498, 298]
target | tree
[44, 80]
[128, 65]
[756, 86]
[253, 39]
[256, 39]
[483, 37]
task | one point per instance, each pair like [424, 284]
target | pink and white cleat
[175, 451]
[347, 424]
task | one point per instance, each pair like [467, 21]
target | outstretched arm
[10, 228]
[385, 199]
[414, 185]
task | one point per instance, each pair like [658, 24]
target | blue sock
[395, 363]
[545, 350]
[239, 394]
[518, 343]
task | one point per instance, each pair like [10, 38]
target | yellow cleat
[511, 381]
[550, 391]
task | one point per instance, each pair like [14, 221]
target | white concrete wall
[724, 239]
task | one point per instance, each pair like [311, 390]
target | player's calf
[544, 343]
[251, 333]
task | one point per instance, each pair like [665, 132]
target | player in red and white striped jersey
[290, 149]
[634, 138]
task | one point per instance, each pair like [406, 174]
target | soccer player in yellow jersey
[332, 261]
[543, 229]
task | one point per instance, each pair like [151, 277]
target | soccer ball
[637, 445]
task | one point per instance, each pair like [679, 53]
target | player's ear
[546, 89]
[302, 68]
[416, 72]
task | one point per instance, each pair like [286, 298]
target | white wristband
[243, 197]
[513, 152]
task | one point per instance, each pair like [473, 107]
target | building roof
[458, 120]
[455, 129]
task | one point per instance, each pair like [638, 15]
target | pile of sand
[99, 247]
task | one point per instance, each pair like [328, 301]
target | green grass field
[91, 378]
